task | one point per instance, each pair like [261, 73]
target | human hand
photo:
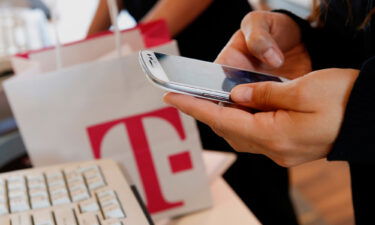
[300, 119]
[267, 42]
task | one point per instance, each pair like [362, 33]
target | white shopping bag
[106, 108]
[93, 48]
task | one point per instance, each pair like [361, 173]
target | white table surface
[228, 209]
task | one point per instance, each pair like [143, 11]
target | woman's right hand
[268, 42]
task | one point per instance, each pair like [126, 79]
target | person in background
[202, 28]
[328, 113]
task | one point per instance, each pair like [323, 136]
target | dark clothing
[355, 143]
[341, 43]
[260, 183]
[363, 193]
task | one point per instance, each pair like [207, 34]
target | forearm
[102, 19]
[177, 13]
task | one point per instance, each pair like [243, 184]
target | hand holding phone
[197, 78]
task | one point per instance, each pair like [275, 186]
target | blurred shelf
[11, 148]
[5, 68]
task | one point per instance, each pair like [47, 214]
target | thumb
[265, 96]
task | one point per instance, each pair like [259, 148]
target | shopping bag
[108, 109]
[93, 48]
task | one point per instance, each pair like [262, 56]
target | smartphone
[197, 78]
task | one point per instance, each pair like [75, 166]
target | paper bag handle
[54, 22]
[113, 11]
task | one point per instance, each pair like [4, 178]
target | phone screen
[207, 75]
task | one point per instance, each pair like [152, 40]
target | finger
[243, 108]
[245, 132]
[268, 96]
[256, 27]
[235, 53]
[225, 121]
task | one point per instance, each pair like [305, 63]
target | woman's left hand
[299, 122]
[260, 32]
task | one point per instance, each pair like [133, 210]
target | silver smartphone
[197, 78]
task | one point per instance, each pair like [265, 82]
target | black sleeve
[356, 140]
[326, 45]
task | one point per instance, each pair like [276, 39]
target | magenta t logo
[179, 162]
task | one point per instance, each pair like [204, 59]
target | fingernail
[273, 58]
[242, 94]
[166, 99]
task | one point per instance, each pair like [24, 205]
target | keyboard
[86, 193]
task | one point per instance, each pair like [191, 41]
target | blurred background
[321, 190]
